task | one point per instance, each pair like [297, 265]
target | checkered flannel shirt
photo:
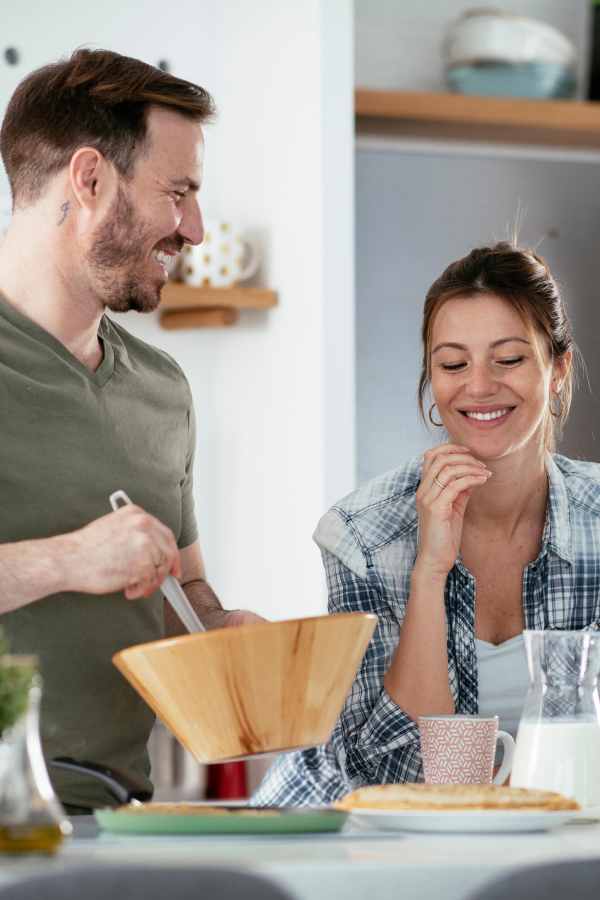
[369, 543]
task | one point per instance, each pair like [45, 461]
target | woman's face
[490, 389]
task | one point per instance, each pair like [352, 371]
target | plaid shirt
[369, 544]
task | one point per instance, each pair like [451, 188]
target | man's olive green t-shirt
[69, 438]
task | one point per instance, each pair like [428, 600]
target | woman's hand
[417, 680]
[441, 510]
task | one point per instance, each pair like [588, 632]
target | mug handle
[507, 759]
[254, 259]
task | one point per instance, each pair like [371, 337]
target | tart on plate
[193, 809]
[453, 797]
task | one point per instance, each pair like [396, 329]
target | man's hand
[203, 598]
[126, 550]
[209, 611]
[241, 617]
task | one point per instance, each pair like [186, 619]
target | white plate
[586, 814]
[477, 820]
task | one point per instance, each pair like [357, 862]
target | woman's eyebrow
[453, 346]
[509, 340]
[448, 344]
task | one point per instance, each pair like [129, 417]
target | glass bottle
[558, 741]
[31, 816]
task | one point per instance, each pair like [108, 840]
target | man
[104, 155]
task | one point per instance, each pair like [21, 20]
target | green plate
[276, 821]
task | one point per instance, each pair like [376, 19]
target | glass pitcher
[31, 816]
[558, 741]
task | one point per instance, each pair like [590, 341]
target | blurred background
[467, 123]
[438, 176]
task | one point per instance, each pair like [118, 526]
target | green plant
[16, 677]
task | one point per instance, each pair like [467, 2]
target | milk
[562, 757]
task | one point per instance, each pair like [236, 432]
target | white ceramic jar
[225, 257]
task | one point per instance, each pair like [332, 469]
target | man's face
[153, 216]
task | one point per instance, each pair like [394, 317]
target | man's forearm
[206, 604]
[30, 570]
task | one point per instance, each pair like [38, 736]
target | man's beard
[118, 260]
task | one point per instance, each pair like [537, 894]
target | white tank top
[503, 681]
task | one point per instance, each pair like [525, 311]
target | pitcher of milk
[558, 741]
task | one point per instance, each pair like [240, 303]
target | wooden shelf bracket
[207, 307]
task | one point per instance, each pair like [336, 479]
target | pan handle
[122, 786]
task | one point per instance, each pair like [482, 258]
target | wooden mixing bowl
[264, 688]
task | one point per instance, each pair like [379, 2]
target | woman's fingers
[451, 473]
[446, 484]
[445, 468]
[449, 459]
[447, 497]
[431, 456]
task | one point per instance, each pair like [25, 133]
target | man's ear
[91, 176]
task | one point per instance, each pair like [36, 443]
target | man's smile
[162, 257]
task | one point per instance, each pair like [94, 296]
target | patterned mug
[225, 257]
[461, 749]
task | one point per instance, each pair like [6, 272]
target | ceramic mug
[219, 260]
[462, 749]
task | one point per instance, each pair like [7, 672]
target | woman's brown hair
[524, 281]
[95, 98]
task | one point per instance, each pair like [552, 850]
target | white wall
[398, 41]
[285, 169]
[275, 394]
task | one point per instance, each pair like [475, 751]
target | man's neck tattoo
[64, 208]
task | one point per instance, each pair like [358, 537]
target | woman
[460, 550]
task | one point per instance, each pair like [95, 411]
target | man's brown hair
[96, 98]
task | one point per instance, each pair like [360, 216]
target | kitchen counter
[345, 866]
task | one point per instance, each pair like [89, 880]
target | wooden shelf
[179, 296]
[557, 122]
[187, 307]
[199, 318]
[570, 115]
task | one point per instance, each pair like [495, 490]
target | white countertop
[345, 866]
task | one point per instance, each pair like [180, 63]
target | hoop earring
[552, 413]
[437, 424]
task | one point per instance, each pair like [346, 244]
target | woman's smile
[487, 416]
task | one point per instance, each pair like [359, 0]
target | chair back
[148, 883]
[579, 880]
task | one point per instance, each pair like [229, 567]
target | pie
[192, 809]
[453, 796]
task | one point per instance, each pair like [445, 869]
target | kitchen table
[351, 865]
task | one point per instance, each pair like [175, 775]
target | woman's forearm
[417, 680]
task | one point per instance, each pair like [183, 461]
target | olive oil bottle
[31, 838]
[31, 817]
